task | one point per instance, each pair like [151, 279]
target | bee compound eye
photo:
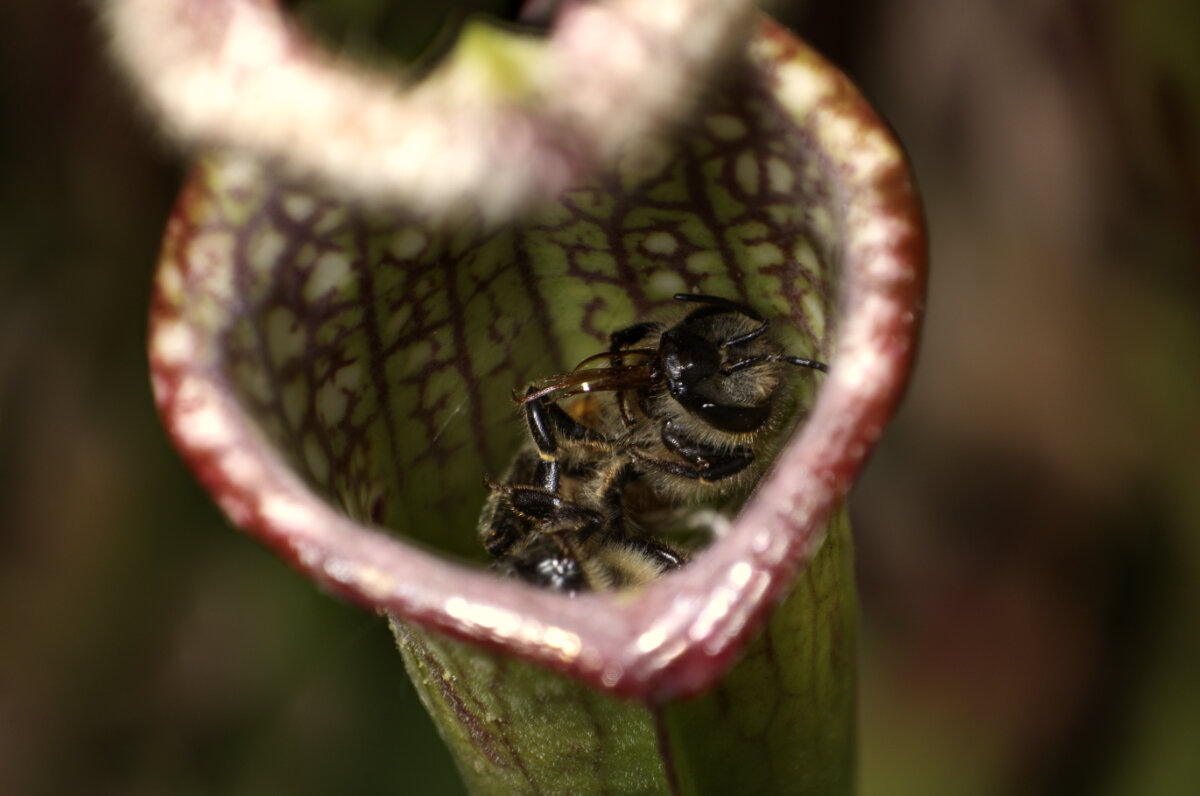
[733, 418]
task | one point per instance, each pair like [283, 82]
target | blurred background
[1028, 532]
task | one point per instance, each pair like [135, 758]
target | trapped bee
[694, 410]
[697, 404]
[557, 519]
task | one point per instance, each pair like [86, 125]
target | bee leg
[612, 489]
[708, 471]
[618, 341]
[504, 529]
[548, 423]
[548, 509]
[700, 462]
[546, 475]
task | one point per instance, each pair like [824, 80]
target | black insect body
[696, 404]
[557, 519]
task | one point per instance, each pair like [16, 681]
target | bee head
[705, 376]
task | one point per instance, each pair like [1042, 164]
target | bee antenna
[747, 337]
[749, 362]
[804, 363]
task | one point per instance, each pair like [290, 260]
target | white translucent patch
[772, 285]
[252, 380]
[298, 206]
[286, 337]
[660, 242]
[640, 163]
[294, 398]
[812, 174]
[315, 458]
[596, 262]
[663, 284]
[780, 176]
[415, 356]
[398, 320]
[705, 262]
[765, 254]
[208, 311]
[329, 222]
[751, 230]
[407, 243]
[239, 174]
[265, 249]
[806, 256]
[822, 221]
[328, 274]
[333, 395]
[745, 171]
[726, 126]
[814, 314]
